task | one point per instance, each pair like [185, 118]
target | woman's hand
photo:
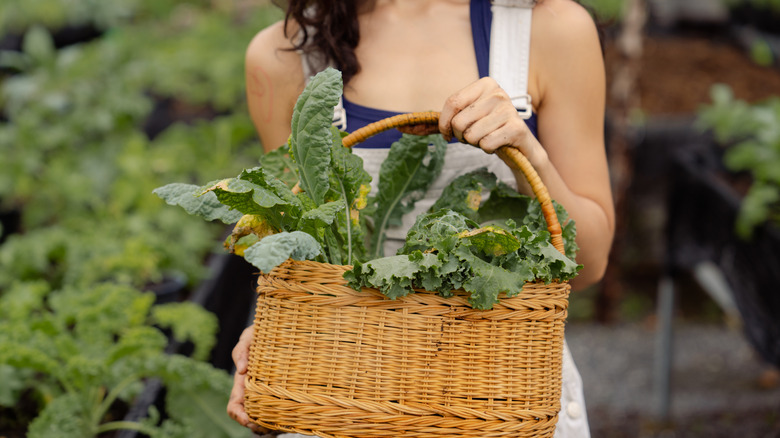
[235, 406]
[482, 114]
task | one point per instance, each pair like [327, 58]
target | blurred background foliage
[101, 101]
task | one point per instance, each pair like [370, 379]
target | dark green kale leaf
[410, 168]
[311, 139]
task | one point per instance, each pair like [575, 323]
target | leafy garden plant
[750, 134]
[78, 340]
[80, 353]
[486, 248]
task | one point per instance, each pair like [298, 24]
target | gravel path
[715, 388]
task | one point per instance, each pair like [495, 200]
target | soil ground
[678, 71]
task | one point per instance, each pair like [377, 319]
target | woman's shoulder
[563, 21]
[272, 49]
[274, 80]
[565, 42]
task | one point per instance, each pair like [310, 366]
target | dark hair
[329, 33]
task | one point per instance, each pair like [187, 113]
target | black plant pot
[171, 289]
[766, 18]
[10, 223]
[62, 37]
[703, 209]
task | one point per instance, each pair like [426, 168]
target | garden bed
[678, 70]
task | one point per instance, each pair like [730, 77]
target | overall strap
[510, 48]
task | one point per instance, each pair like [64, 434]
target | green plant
[327, 220]
[198, 58]
[761, 53]
[93, 99]
[750, 134]
[78, 339]
[84, 352]
[87, 177]
[20, 15]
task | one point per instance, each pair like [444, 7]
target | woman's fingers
[241, 350]
[472, 126]
[235, 406]
[460, 101]
[483, 115]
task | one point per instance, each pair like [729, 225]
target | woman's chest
[413, 63]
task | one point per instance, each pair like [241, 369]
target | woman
[417, 55]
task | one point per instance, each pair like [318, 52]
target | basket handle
[509, 154]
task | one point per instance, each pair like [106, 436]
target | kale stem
[111, 397]
[349, 225]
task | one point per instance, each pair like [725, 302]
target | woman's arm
[274, 80]
[569, 85]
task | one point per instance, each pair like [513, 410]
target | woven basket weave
[330, 361]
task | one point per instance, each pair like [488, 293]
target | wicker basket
[327, 360]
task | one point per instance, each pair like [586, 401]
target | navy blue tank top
[359, 116]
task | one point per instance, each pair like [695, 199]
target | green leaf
[14, 60]
[445, 251]
[14, 380]
[464, 194]
[351, 183]
[324, 214]
[279, 164]
[265, 179]
[22, 299]
[410, 168]
[504, 203]
[138, 342]
[318, 223]
[194, 201]
[729, 118]
[756, 208]
[348, 171]
[275, 249]
[20, 355]
[491, 241]
[391, 275]
[245, 196]
[203, 412]
[562, 268]
[66, 416]
[250, 198]
[311, 140]
[487, 281]
[39, 45]
[196, 397]
[189, 322]
[438, 230]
